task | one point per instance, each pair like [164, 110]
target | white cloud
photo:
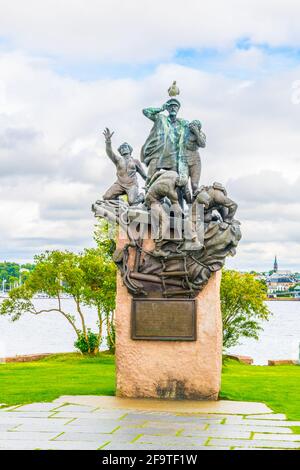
[142, 30]
[52, 158]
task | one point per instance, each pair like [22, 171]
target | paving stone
[149, 430]
[205, 415]
[8, 426]
[44, 445]
[137, 413]
[260, 422]
[75, 408]
[91, 416]
[36, 407]
[250, 428]
[275, 423]
[85, 427]
[25, 414]
[122, 438]
[179, 425]
[169, 440]
[102, 425]
[267, 416]
[224, 432]
[64, 445]
[135, 446]
[92, 427]
[42, 427]
[254, 448]
[278, 437]
[254, 443]
[135, 423]
[111, 414]
[30, 435]
[83, 437]
[141, 417]
[236, 420]
[19, 445]
[13, 421]
[183, 419]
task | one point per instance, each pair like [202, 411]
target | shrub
[89, 344]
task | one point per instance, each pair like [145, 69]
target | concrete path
[111, 423]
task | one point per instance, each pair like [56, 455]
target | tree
[89, 278]
[105, 236]
[14, 272]
[243, 306]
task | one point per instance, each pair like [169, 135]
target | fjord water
[280, 337]
[50, 333]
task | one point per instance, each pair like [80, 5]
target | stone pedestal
[171, 369]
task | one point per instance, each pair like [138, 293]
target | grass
[61, 374]
[276, 386]
[73, 374]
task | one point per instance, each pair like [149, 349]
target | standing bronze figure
[195, 139]
[164, 148]
[127, 169]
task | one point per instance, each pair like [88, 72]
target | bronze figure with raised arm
[127, 169]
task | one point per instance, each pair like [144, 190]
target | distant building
[278, 282]
[282, 272]
[297, 292]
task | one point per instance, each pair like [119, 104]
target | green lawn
[73, 374]
[277, 386]
[62, 374]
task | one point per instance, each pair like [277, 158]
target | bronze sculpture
[127, 167]
[190, 240]
[195, 139]
[163, 148]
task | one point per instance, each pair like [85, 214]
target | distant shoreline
[282, 299]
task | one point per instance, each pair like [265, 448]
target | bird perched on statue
[173, 90]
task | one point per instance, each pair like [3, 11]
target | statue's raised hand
[107, 134]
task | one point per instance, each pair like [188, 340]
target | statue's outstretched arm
[110, 153]
[152, 113]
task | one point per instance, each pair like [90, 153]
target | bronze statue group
[195, 226]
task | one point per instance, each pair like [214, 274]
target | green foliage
[89, 278]
[14, 272]
[87, 344]
[105, 237]
[242, 305]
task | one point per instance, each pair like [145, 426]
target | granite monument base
[170, 368]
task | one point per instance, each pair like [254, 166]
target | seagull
[173, 90]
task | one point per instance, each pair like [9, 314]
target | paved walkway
[110, 423]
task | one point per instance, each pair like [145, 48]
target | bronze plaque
[163, 319]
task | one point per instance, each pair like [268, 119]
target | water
[43, 333]
[50, 332]
[280, 338]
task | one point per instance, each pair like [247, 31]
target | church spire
[275, 269]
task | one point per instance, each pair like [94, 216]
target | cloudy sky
[68, 68]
